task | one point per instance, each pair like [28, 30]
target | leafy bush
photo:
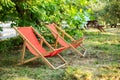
[10, 44]
[35, 12]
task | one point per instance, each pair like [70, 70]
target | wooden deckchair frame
[22, 61]
[72, 39]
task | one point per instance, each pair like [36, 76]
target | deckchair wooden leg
[23, 52]
[56, 44]
[60, 66]
[41, 42]
[82, 47]
[34, 48]
[63, 35]
[85, 50]
[61, 58]
[26, 61]
[48, 63]
[76, 50]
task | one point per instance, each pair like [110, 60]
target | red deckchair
[60, 39]
[35, 47]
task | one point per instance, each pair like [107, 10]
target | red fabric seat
[60, 40]
[30, 36]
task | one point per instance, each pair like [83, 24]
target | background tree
[113, 12]
[34, 12]
[107, 12]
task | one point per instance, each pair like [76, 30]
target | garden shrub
[10, 44]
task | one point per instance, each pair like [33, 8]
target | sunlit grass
[22, 78]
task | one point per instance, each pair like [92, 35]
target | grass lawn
[102, 61]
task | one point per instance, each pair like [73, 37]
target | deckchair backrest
[28, 34]
[55, 33]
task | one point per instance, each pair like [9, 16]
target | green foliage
[113, 11]
[107, 11]
[9, 44]
[6, 10]
[0, 28]
[35, 12]
[76, 32]
[7, 3]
